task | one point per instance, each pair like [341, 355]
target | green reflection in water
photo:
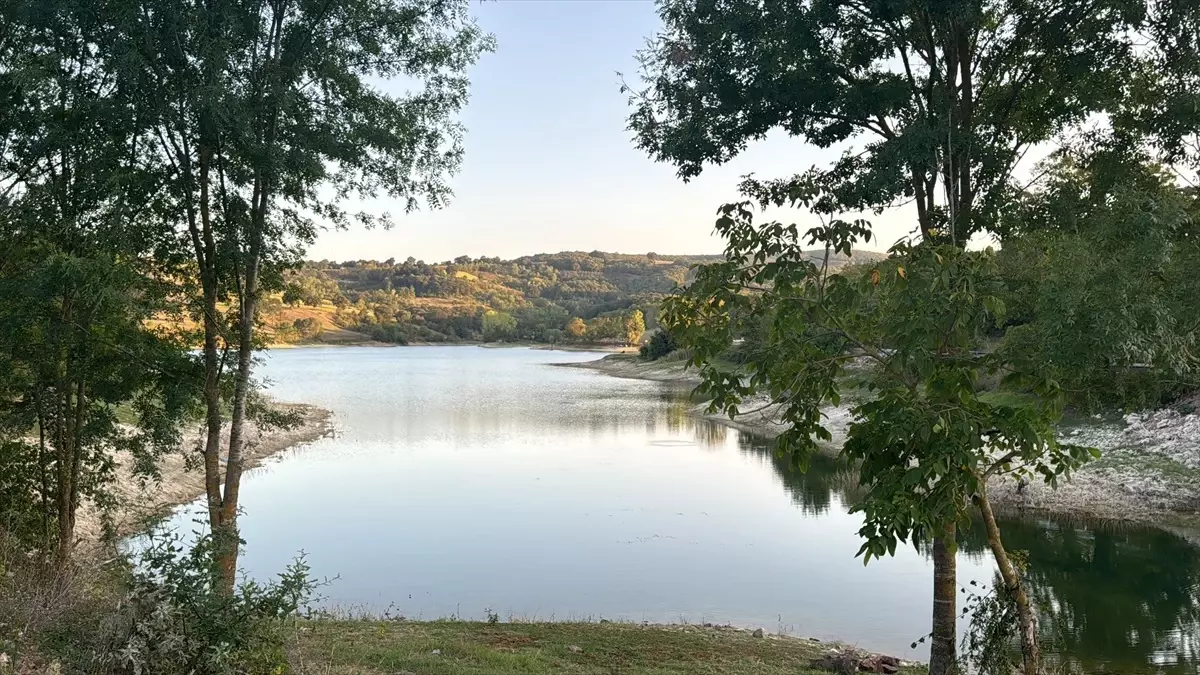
[1113, 599]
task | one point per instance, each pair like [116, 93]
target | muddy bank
[182, 475]
[1148, 473]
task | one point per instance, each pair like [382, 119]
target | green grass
[325, 647]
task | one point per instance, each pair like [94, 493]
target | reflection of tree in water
[679, 414]
[1115, 600]
[813, 489]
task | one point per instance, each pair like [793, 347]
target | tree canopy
[931, 102]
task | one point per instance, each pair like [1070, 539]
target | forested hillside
[594, 298]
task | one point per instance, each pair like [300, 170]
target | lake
[468, 480]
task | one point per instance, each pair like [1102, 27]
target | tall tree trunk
[1031, 656]
[70, 466]
[64, 464]
[248, 309]
[228, 553]
[42, 463]
[942, 652]
[204, 246]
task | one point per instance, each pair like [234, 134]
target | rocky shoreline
[181, 477]
[1148, 473]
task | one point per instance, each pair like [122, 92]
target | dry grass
[44, 610]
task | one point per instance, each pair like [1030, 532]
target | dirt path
[182, 477]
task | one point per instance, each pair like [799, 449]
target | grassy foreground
[459, 648]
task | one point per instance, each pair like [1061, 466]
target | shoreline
[599, 349]
[1133, 482]
[181, 476]
[346, 644]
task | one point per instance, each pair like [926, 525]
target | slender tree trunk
[1031, 656]
[70, 466]
[64, 448]
[942, 652]
[63, 466]
[233, 469]
[228, 552]
[212, 418]
[45, 478]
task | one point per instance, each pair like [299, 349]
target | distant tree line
[593, 298]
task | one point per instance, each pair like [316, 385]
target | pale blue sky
[549, 165]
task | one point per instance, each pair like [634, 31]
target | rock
[836, 662]
[436, 652]
[758, 632]
[575, 649]
[879, 664]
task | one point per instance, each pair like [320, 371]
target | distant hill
[548, 297]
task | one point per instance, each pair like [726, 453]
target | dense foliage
[175, 621]
[932, 105]
[583, 297]
[1101, 282]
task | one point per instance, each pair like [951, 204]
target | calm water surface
[463, 479]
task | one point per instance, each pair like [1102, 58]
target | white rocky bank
[1149, 469]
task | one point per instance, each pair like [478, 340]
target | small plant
[492, 617]
[177, 621]
[991, 643]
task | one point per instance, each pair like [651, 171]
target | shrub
[49, 614]
[175, 621]
[659, 345]
[307, 327]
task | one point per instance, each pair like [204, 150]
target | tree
[293, 295]
[635, 325]
[941, 99]
[267, 115]
[925, 441]
[82, 268]
[576, 328]
[938, 101]
[606, 327]
[498, 325]
[1102, 280]
[660, 344]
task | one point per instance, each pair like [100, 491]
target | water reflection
[1112, 599]
[828, 480]
[467, 478]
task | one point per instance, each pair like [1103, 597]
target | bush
[174, 620]
[659, 345]
[307, 327]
